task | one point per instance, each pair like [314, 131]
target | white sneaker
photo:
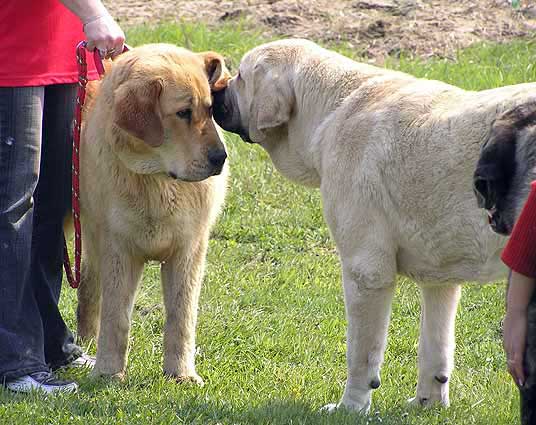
[41, 381]
[85, 360]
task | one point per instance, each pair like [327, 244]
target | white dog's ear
[272, 104]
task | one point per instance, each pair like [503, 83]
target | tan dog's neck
[134, 154]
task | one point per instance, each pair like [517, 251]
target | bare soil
[377, 28]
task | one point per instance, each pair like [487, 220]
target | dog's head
[161, 98]
[260, 97]
[506, 166]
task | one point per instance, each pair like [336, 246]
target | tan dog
[394, 158]
[153, 180]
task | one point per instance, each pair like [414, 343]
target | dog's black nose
[217, 157]
[499, 225]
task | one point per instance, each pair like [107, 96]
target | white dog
[394, 158]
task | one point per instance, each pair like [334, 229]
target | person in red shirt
[519, 334]
[38, 79]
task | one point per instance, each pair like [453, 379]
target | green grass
[271, 331]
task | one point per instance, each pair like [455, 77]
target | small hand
[514, 340]
[103, 33]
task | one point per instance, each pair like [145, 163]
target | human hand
[514, 340]
[103, 33]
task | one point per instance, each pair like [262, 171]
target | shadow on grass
[101, 402]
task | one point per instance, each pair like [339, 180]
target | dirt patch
[377, 28]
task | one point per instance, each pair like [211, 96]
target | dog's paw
[432, 392]
[190, 378]
[354, 407]
[428, 401]
[98, 373]
[329, 408]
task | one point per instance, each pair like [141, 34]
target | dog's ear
[497, 164]
[137, 110]
[217, 73]
[272, 104]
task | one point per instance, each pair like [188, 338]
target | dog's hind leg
[436, 345]
[89, 298]
[181, 281]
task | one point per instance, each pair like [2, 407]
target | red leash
[74, 280]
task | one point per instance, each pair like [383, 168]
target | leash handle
[98, 60]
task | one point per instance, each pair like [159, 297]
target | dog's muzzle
[486, 197]
[227, 115]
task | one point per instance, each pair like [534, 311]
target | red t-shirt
[37, 43]
[520, 251]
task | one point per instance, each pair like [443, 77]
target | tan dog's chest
[157, 223]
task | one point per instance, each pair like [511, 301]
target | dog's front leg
[368, 312]
[436, 345]
[181, 280]
[120, 276]
[368, 256]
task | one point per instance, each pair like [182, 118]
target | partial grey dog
[394, 158]
[506, 166]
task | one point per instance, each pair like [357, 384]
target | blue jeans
[528, 391]
[35, 187]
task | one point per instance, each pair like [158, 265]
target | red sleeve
[38, 40]
[520, 251]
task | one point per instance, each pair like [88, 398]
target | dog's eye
[185, 114]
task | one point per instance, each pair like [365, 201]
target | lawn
[271, 333]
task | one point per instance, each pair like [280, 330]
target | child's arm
[520, 290]
[520, 256]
